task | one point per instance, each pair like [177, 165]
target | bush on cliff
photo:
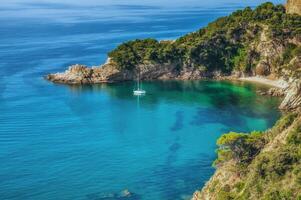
[240, 147]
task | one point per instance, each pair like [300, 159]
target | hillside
[264, 41]
[263, 166]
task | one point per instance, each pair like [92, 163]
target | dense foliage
[272, 169]
[223, 45]
[240, 147]
[133, 53]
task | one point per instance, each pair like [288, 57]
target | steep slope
[263, 166]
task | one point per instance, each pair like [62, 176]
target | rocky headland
[264, 42]
[262, 45]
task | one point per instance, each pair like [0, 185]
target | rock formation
[293, 6]
[81, 74]
[292, 99]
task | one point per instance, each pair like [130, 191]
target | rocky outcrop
[293, 6]
[81, 74]
[123, 195]
[275, 92]
[292, 99]
[109, 72]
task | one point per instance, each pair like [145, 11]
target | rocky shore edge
[109, 73]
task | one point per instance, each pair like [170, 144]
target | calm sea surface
[85, 143]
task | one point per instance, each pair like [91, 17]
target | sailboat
[139, 90]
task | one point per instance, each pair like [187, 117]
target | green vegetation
[290, 52]
[133, 53]
[240, 147]
[223, 45]
[268, 164]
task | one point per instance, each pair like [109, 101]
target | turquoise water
[85, 142]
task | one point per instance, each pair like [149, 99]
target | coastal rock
[262, 68]
[191, 73]
[292, 99]
[107, 73]
[266, 49]
[123, 195]
[275, 92]
[293, 6]
[81, 74]
[149, 71]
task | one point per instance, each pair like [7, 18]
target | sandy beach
[259, 79]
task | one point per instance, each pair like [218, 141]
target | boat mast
[138, 81]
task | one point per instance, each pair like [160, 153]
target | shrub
[239, 146]
[294, 136]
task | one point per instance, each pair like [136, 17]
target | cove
[86, 142]
[92, 141]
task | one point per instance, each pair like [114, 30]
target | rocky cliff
[292, 100]
[294, 6]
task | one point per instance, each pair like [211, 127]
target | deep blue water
[61, 142]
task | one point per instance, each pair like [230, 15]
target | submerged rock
[123, 195]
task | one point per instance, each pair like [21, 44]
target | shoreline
[281, 84]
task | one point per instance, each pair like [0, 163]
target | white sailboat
[139, 90]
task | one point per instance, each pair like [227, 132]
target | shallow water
[62, 142]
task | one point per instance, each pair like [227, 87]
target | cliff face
[293, 6]
[292, 99]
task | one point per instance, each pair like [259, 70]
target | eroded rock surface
[292, 99]
[293, 6]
